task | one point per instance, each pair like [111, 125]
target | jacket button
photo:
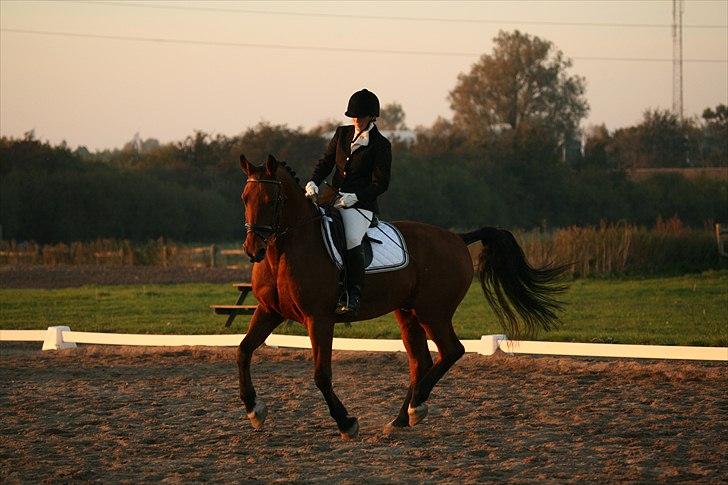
[347, 159]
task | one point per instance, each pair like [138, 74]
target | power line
[398, 18]
[233, 44]
[166, 40]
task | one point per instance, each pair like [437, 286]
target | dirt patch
[69, 276]
[142, 415]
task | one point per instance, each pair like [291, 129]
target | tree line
[512, 155]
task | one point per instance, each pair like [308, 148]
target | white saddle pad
[390, 255]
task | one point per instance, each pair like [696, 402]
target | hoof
[257, 415]
[417, 414]
[352, 432]
[395, 427]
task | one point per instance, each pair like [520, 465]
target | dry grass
[617, 249]
[717, 173]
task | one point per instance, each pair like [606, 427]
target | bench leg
[241, 298]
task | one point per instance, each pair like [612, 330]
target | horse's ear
[245, 165]
[271, 165]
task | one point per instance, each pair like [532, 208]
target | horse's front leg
[261, 326]
[322, 335]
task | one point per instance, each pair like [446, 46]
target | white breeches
[356, 223]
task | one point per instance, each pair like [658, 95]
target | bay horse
[294, 278]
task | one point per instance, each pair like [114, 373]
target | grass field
[686, 310]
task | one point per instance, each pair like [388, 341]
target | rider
[362, 157]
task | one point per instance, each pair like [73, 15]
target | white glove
[311, 189]
[346, 200]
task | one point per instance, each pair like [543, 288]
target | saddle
[384, 246]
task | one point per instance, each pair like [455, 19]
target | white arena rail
[60, 337]
[23, 335]
[614, 350]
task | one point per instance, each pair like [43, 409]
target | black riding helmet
[362, 103]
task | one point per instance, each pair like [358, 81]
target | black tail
[515, 289]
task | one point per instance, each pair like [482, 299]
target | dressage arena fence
[669, 247]
[62, 337]
[111, 252]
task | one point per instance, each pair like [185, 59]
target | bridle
[270, 232]
[265, 232]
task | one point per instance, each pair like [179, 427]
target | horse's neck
[297, 208]
[302, 241]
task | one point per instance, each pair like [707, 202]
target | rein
[271, 232]
[303, 223]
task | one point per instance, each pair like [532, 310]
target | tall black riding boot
[341, 287]
[354, 280]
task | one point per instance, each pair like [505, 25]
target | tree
[661, 140]
[391, 117]
[524, 82]
[719, 117]
[325, 128]
[440, 139]
[597, 146]
[714, 143]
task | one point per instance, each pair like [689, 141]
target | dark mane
[291, 173]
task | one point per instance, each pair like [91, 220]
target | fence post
[489, 344]
[54, 339]
[213, 255]
[721, 236]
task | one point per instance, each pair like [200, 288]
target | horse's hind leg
[418, 355]
[450, 350]
[261, 326]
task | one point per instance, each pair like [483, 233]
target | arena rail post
[489, 344]
[54, 339]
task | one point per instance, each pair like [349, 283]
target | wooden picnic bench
[238, 308]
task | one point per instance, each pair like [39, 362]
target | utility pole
[677, 59]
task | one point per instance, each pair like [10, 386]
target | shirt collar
[365, 132]
[363, 139]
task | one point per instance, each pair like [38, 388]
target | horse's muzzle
[254, 247]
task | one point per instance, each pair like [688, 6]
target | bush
[625, 249]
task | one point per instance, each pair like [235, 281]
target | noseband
[265, 232]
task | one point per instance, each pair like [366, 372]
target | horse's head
[263, 199]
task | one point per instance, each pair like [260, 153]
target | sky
[98, 92]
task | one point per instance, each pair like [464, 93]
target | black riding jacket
[364, 172]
